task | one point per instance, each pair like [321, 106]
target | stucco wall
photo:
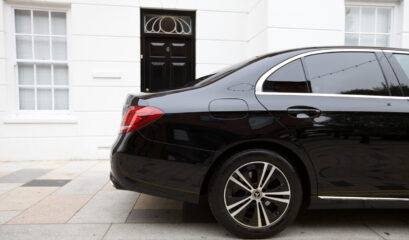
[104, 39]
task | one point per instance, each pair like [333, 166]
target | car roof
[348, 47]
[317, 48]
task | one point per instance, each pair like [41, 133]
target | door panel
[157, 50]
[157, 72]
[179, 50]
[363, 152]
[179, 73]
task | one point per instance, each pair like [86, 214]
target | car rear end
[135, 115]
[146, 157]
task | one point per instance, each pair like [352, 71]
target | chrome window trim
[332, 95]
[262, 79]
[362, 198]
[396, 51]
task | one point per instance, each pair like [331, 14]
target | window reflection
[403, 62]
[346, 73]
[289, 78]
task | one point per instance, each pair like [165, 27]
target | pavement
[74, 200]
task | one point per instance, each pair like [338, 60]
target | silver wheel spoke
[285, 193]
[233, 179]
[262, 175]
[277, 199]
[244, 179]
[265, 214]
[238, 203]
[268, 177]
[241, 208]
[258, 215]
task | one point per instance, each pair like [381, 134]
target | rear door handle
[303, 112]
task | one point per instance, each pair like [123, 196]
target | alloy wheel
[257, 194]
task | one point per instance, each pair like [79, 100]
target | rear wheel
[255, 194]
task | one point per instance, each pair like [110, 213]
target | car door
[354, 131]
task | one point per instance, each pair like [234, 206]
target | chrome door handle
[303, 112]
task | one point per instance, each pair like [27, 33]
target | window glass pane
[352, 19]
[41, 48]
[26, 97]
[43, 73]
[40, 22]
[289, 78]
[346, 73]
[351, 39]
[59, 48]
[367, 40]
[382, 40]
[23, 45]
[60, 74]
[403, 61]
[368, 20]
[58, 24]
[383, 24]
[61, 99]
[44, 100]
[25, 74]
[23, 21]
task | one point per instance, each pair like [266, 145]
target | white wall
[305, 23]
[104, 54]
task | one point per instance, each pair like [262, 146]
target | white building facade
[66, 66]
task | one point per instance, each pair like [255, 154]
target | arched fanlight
[165, 24]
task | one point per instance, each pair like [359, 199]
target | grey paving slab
[89, 182]
[23, 175]
[46, 183]
[74, 167]
[107, 207]
[390, 224]
[166, 231]
[155, 216]
[13, 166]
[53, 231]
[392, 231]
[5, 216]
[325, 232]
[5, 187]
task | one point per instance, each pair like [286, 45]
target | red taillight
[138, 117]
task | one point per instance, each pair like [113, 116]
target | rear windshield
[220, 74]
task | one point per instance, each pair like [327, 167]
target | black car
[324, 127]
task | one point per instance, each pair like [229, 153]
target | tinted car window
[403, 61]
[289, 78]
[346, 73]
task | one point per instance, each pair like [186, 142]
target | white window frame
[393, 41]
[39, 114]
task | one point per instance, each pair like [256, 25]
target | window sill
[41, 119]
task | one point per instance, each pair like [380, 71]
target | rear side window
[288, 78]
[356, 73]
[403, 61]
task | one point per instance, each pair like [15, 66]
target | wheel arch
[297, 158]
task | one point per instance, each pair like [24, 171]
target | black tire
[251, 221]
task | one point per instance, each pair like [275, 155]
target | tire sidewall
[221, 176]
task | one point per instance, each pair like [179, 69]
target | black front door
[167, 63]
[168, 59]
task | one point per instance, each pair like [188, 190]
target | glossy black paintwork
[355, 147]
